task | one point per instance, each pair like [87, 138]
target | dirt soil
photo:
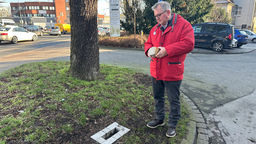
[126, 41]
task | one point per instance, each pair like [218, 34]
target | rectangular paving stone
[196, 111]
[203, 137]
[199, 141]
[202, 131]
[199, 116]
[200, 120]
[201, 125]
[191, 103]
[194, 107]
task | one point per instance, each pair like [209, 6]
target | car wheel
[42, 34]
[254, 40]
[217, 46]
[14, 40]
[34, 38]
[239, 45]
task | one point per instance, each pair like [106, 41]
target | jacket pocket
[174, 63]
[173, 70]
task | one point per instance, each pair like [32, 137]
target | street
[222, 85]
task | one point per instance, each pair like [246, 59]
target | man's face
[161, 16]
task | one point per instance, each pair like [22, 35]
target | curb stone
[200, 133]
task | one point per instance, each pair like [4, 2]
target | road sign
[114, 18]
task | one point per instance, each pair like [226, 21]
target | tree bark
[84, 56]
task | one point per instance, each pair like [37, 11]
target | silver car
[14, 34]
[55, 30]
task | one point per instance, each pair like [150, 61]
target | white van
[7, 22]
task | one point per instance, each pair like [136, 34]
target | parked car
[38, 27]
[214, 35]
[15, 34]
[251, 35]
[34, 29]
[55, 30]
[64, 28]
[234, 43]
[7, 22]
[241, 37]
[101, 31]
[47, 28]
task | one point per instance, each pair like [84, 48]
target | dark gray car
[34, 29]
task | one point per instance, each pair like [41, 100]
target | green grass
[55, 107]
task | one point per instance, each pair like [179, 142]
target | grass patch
[42, 103]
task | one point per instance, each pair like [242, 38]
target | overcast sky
[103, 5]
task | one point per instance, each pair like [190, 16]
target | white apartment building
[242, 11]
[244, 14]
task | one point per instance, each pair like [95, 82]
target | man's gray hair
[164, 5]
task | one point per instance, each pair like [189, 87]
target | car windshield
[55, 28]
[243, 32]
[4, 28]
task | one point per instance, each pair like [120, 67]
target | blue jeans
[173, 93]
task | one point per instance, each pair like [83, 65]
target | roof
[224, 1]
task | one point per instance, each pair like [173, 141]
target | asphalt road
[222, 85]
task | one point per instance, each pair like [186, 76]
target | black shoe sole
[155, 126]
[170, 136]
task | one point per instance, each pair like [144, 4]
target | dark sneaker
[155, 123]
[171, 132]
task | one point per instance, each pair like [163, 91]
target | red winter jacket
[178, 40]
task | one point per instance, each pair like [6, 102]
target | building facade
[243, 12]
[226, 4]
[53, 12]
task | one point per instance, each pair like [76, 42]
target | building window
[13, 8]
[52, 15]
[238, 11]
[35, 15]
[37, 7]
[51, 8]
[67, 8]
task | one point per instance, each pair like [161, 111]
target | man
[174, 36]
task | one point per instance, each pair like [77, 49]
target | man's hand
[161, 53]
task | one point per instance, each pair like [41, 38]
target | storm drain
[110, 134]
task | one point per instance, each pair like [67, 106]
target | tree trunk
[84, 57]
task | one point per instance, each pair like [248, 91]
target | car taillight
[59, 29]
[230, 36]
[50, 29]
[4, 33]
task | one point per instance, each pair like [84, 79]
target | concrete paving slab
[236, 120]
